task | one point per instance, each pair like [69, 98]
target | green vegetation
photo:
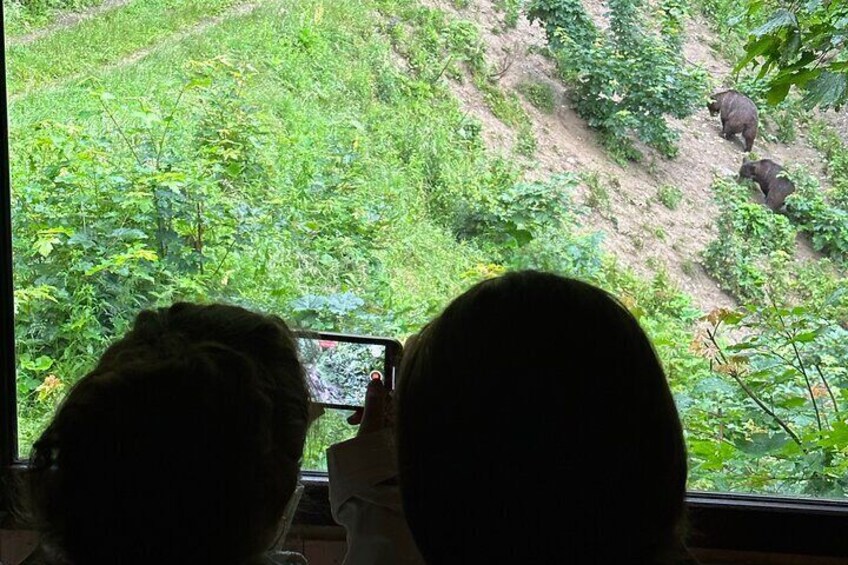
[94, 43]
[259, 177]
[21, 16]
[801, 45]
[308, 158]
[750, 236]
[835, 152]
[624, 80]
[670, 196]
[511, 10]
[598, 196]
[539, 94]
[824, 221]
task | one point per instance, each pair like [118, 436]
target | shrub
[598, 196]
[750, 237]
[827, 224]
[539, 94]
[512, 11]
[624, 80]
[670, 196]
[787, 362]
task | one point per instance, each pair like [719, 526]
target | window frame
[722, 521]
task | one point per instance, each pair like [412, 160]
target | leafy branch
[734, 373]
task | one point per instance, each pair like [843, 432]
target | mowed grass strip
[103, 40]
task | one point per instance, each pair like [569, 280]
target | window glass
[352, 166]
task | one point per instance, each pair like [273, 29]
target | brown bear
[766, 173]
[738, 115]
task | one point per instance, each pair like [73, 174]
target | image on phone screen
[339, 371]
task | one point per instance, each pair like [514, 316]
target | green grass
[20, 17]
[97, 42]
[396, 157]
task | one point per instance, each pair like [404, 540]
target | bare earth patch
[640, 231]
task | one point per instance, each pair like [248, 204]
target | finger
[356, 418]
[375, 407]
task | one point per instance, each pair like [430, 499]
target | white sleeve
[365, 499]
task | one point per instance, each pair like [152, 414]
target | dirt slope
[640, 231]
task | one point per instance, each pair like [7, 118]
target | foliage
[598, 193]
[827, 224]
[731, 22]
[433, 44]
[672, 15]
[624, 79]
[21, 15]
[790, 367]
[750, 236]
[670, 196]
[327, 430]
[93, 42]
[835, 153]
[539, 94]
[511, 10]
[802, 45]
[515, 217]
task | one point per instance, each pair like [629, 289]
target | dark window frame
[721, 521]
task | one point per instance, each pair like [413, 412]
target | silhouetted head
[535, 425]
[183, 445]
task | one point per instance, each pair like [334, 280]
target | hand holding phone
[339, 367]
[378, 412]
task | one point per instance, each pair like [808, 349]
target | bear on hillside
[738, 115]
[766, 173]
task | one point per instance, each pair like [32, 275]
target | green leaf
[828, 89]
[777, 93]
[783, 18]
[794, 402]
[790, 48]
[199, 82]
[763, 444]
[754, 50]
[44, 247]
[806, 337]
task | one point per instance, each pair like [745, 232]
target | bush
[827, 224]
[670, 196]
[788, 364]
[511, 10]
[539, 94]
[750, 238]
[835, 151]
[624, 80]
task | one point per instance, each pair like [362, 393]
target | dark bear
[766, 173]
[738, 115]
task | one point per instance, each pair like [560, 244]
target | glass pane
[352, 166]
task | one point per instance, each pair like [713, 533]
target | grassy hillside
[342, 164]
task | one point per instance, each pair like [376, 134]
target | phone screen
[338, 370]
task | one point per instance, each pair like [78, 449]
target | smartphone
[340, 366]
